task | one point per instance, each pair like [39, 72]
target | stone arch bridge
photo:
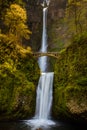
[51, 54]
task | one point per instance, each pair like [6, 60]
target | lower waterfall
[44, 96]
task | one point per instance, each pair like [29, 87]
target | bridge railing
[53, 54]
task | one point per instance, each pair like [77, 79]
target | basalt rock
[34, 8]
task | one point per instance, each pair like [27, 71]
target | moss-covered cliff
[19, 73]
[57, 36]
[70, 82]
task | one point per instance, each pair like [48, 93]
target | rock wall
[34, 12]
[56, 27]
[70, 82]
[56, 9]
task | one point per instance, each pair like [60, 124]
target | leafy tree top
[15, 20]
[15, 13]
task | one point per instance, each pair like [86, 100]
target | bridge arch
[40, 54]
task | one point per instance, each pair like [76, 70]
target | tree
[15, 20]
[4, 4]
[76, 15]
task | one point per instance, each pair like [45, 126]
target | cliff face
[19, 74]
[70, 82]
[34, 12]
[56, 9]
[56, 28]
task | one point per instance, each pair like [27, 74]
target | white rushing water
[44, 96]
[43, 102]
[43, 60]
[45, 85]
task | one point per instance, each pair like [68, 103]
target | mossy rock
[19, 75]
[71, 102]
[70, 81]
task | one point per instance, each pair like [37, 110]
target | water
[43, 102]
[44, 90]
[58, 126]
[43, 60]
[44, 96]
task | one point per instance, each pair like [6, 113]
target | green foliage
[76, 16]
[19, 75]
[70, 100]
[6, 3]
[55, 33]
[19, 71]
[15, 20]
[70, 80]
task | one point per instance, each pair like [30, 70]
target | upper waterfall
[45, 3]
[43, 60]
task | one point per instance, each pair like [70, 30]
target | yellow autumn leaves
[15, 21]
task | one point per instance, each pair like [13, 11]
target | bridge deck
[53, 54]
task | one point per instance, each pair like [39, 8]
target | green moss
[19, 74]
[70, 80]
[69, 100]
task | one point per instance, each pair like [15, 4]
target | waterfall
[44, 89]
[43, 60]
[45, 85]
[44, 96]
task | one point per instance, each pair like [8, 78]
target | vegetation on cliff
[19, 74]
[68, 18]
[19, 71]
[70, 82]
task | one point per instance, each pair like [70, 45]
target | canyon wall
[34, 12]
